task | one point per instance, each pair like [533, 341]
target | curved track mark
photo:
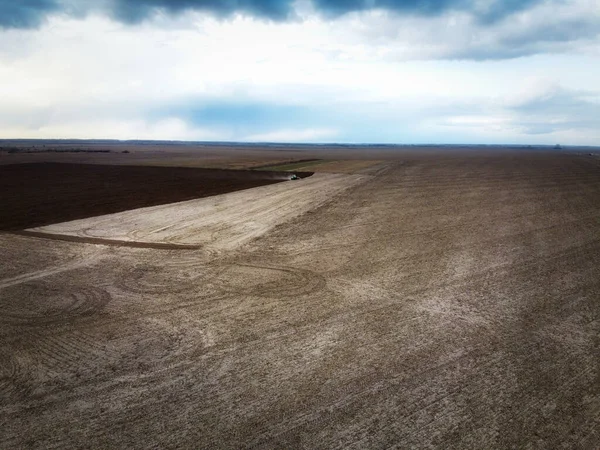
[159, 280]
[83, 302]
[303, 282]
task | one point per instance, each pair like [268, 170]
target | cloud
[369, 76]
[554, 108]
[294, 135]
[30, 13]
[542, 109]
[486, 10]
[382, 29]
[25, 13]
[169, 128]
[548, 27]
[138, 10]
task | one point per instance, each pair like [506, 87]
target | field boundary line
[108, 242]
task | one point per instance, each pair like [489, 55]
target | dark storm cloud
[138, 10]
[29, 13]
[496, 10]
[531, 40]
[25, 13]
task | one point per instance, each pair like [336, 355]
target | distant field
[323, 165]
[289, 166]
[142, 156]
[332, 158]
[235, 158]
[346, 166]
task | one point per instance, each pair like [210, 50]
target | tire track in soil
[594, 434]
[172, 277]
[62, 352]
[78, 350]
[294, 423]
[192, 367]
[584, 224]
[518, 415]
[89, 260]
[8, 374]
[67, 353]
[312, 417]
[12, 378]
[527, 266]
[530, 266]
[303, 282]
[188, 369]
[224, 348]
[475, 317]
[215, 286]
[82, 302]
[62, 360]
[55, 352]
[224, 293]
[588, 179]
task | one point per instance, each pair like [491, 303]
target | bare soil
[219, 222]
[44, 193]
[447, 300]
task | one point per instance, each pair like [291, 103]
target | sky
[347, 71]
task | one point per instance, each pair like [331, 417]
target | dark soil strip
[111, 242]
[33, 195]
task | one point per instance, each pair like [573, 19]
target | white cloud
[548, 27]
[294, 135]
[167, 129]
[371, 75]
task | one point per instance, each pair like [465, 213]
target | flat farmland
[445, 299]
[45, 193]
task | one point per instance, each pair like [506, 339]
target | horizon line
[298, 144]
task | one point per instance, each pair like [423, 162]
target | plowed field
[439, 301]
[45, 193]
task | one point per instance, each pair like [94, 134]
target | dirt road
[449, 301]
